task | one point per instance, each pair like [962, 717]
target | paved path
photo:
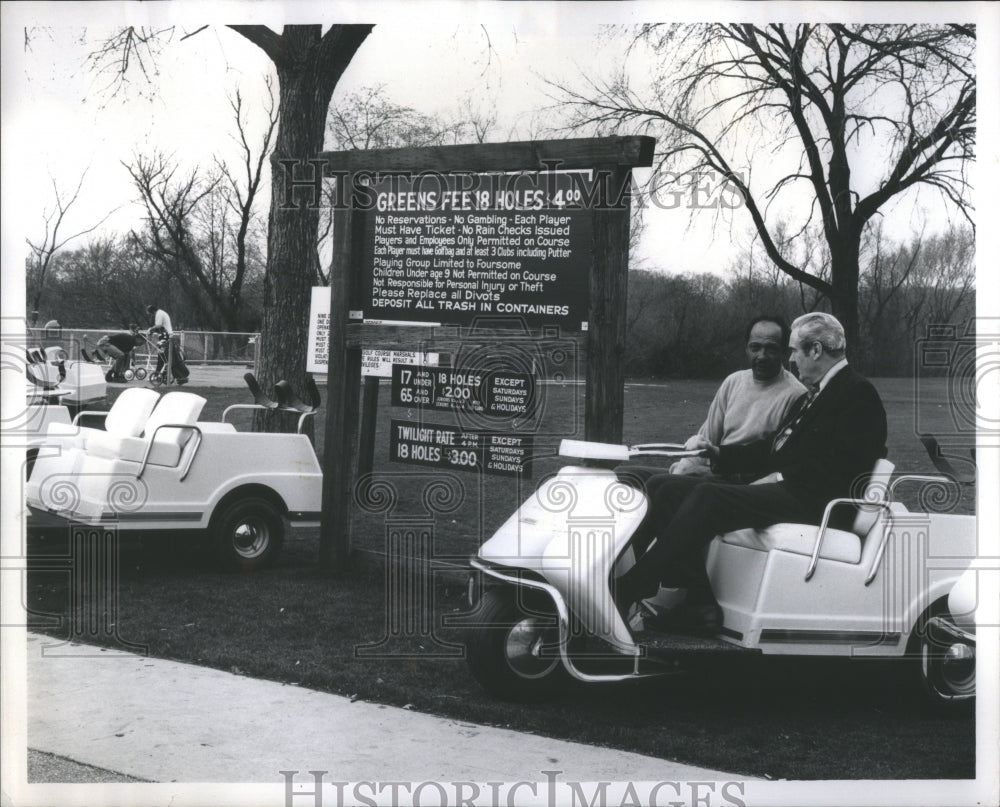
[164, 721]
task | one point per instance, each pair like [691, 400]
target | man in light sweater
[750, 403]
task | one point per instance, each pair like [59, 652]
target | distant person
[750, 403]
[119, 346]
[163, 326]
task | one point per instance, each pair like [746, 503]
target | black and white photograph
[500, 403]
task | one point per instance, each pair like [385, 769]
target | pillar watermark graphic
[94, 591]
[87, 556]
[410, 621]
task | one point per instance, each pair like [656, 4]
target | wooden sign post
[437, 192]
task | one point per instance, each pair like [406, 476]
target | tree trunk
[309, 65]
[845, 270]
[291, 261]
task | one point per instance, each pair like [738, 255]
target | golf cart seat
[126, 418]
[166, 432]
[124, 421]
[825, 542]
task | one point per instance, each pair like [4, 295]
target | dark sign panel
[495, 393]
[452, 248]
[448, 447]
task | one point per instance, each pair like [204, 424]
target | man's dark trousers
[694, 510]
[830, 450]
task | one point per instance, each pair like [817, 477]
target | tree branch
[264, 38]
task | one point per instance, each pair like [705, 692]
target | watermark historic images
[550, 791]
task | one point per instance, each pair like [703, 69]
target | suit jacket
[835, 445]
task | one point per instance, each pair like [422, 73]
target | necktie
[782, 437]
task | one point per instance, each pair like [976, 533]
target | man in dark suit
[823, 450]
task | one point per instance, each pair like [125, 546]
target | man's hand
[699, 443]
[769, 479]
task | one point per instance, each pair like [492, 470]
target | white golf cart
[155, 467]
[54, 378]
[542, 584]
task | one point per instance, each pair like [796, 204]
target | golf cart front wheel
[128, 375]
[513, 650]
[140, 373]
[248, 534]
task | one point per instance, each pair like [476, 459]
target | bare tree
[902, 97]
[42, 251]
[242, 191]
[175, 205]
[105, 281]
[309, 63]
[478, 119]
[907, 287]
[370, 119]
[946, 275]
[127, 52]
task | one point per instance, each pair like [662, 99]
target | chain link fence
[199, 347]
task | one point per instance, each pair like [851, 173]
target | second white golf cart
[154, 466]
[894, 585]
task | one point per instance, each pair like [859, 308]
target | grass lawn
[295, 623]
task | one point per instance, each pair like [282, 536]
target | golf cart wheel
[248, 534]
[513, 651]
[946, 662]
[156, 379]
[128, 375]
[140, 373]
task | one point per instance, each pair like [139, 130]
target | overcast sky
[57, 120]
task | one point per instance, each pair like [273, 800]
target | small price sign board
[448, 447]
[496, 393]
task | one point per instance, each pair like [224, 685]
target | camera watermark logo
[528, 368]
[956, 381]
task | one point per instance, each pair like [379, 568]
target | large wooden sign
[444, 236]
[449, 248]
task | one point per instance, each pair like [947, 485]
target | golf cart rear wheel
[513, 651]
[140, 373]
[128, 375]
[946, 663]
[248, 534]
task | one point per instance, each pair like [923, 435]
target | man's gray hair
[823, 328]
